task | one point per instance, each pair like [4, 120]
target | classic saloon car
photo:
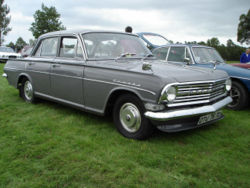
[113, 72]
[208, 57]
[7, 53]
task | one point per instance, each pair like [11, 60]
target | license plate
[209, 117]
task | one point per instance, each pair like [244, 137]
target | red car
[242, 65]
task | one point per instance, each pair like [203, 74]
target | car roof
[189, 45]
[68, 32]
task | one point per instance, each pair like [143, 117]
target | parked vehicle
[7, 53]
[208, 57]
[25, 52]
[112, 72]
[153, 40]
[242, 65]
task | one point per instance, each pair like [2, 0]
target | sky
[177, 20]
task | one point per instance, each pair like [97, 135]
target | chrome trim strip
[10, 68]
[196, 102]
[59, 99]
[187, 112]
[113, 83]
[4, 75]
[101, 81]
[241, 78]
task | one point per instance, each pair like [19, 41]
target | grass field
[50, 145]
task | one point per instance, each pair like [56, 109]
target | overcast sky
[177, 20]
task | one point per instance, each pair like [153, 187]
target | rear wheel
[26, 91]
[239, 95]
[128, 115]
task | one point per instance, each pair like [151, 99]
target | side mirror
[187, 60]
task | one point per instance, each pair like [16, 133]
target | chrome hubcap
[28, 90]
[130, 117]
[235, 94]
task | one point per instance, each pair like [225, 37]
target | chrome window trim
[186, 48]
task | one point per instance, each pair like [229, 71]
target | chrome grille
[198, 93]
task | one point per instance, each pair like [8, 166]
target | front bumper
[187, 112]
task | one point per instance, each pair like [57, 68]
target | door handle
[55, 65]
[31, 63]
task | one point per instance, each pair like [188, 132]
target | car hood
[231, 70]
[167, 72]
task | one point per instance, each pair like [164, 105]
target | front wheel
[239, 95]
[26, 91]
[128, 115]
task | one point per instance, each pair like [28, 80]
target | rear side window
[68, 47]
[49, 47]
[177, 54]
[161, 53]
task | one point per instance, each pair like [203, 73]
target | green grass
[50, 145]
[229, 62]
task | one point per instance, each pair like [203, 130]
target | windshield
[206, 55]
[6, 49]
[114, 45]
[156, 39]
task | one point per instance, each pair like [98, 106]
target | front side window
[113, 45]
[68, 47]
[49, 47]
[176, 54]
[161, 53]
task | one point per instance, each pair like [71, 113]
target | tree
[20, 43]
[243, 34]
[4, 21]
[46, 20]
[213, 42]
[11, 45]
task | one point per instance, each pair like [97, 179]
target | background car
[242, 65]
[25, 52]
[208, 57]
[153, 40]
[7, 53]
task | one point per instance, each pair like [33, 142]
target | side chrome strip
[113, 83]
[60, 100]
[241, 77]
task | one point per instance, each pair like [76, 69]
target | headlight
[168, 94]
[228, 84]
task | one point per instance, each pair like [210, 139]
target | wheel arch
[21, 77]
[240, 81]
[115, 94]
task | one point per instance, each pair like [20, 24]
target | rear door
[39, 65]
[67, 72]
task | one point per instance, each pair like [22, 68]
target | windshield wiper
[125, 55]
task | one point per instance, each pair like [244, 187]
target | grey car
[114, 73]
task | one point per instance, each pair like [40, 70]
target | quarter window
[161, 53]
[68, 47]
[177, 54]
[49, 47]
[79, 50]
